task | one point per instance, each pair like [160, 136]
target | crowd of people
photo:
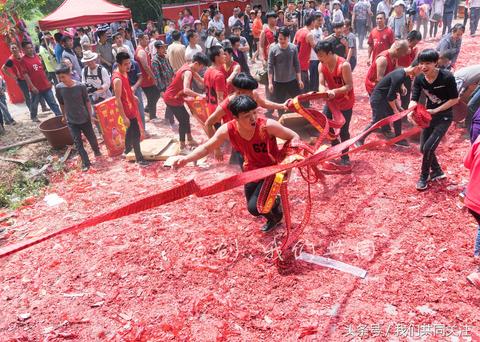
[301, 47]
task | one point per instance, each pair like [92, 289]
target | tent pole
[133, 32]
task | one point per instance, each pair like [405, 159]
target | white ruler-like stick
[330, 263]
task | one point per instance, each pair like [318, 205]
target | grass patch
[20, 187]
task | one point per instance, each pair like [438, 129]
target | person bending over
[255, 138]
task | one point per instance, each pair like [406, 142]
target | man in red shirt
[256, 139]
[214, 79]
[180, 87]
[305, 43]
[38, 83]
[380, 38]
[335, 78]
[384, 63]
[413, 38]
[13, 68]
[127, 105]
[149, 85]
[267, 38]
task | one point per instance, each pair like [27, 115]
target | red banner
[199, 109]
[113, 127]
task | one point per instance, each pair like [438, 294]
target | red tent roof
[74, 13]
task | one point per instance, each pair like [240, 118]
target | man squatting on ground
[255, 138]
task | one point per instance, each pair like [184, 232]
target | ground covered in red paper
[200, 269]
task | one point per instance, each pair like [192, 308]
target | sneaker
[35, 120]
[85, 168]
[388, 134]
[437, 175]
[402, 143]
[422, 183]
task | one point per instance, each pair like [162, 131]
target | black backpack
[99, 73]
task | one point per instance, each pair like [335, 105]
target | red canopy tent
[74, 13]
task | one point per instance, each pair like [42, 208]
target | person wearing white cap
[337, 14]
[398, 20]
[95, 77]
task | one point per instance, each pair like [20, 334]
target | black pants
[429, 141]
[132, 139]
[183, 119]
[381, 110]
[314, 75]
[87, 129]
[283, 91]
[344, 131]
[405, 100]
[306, 82]
[153, 94]
[252, 191]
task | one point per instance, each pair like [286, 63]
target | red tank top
[269, 39]
[335, 80]
[128, 99]
[17, 67]
[175, 88]
[371, 79]
[304, 48]
[260, 151]
[407, 60]
[147, 81]
[228, 116]
[215, 82]
[228, 72]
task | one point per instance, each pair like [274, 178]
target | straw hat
[89, 56]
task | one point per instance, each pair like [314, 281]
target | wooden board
[299, 124]
[153, 149]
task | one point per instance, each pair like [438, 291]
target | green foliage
[14, 193]
[26, 9]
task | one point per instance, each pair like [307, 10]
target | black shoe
[13, 122]
[85, 168]
[402, 143]
[345, 161]
[437, 175]
[35, 120]
[270, 225]
[143, 163]
[98, 154]
[422, 183]
[388, 134]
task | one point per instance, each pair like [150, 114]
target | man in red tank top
[243, 84]
[267, 37]
[413, 38]
[180, 87]
[215, 79]
[149, 85]
[127, 105]
[305, 43]
[384, 63]
[335, 78]
[255, 138]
